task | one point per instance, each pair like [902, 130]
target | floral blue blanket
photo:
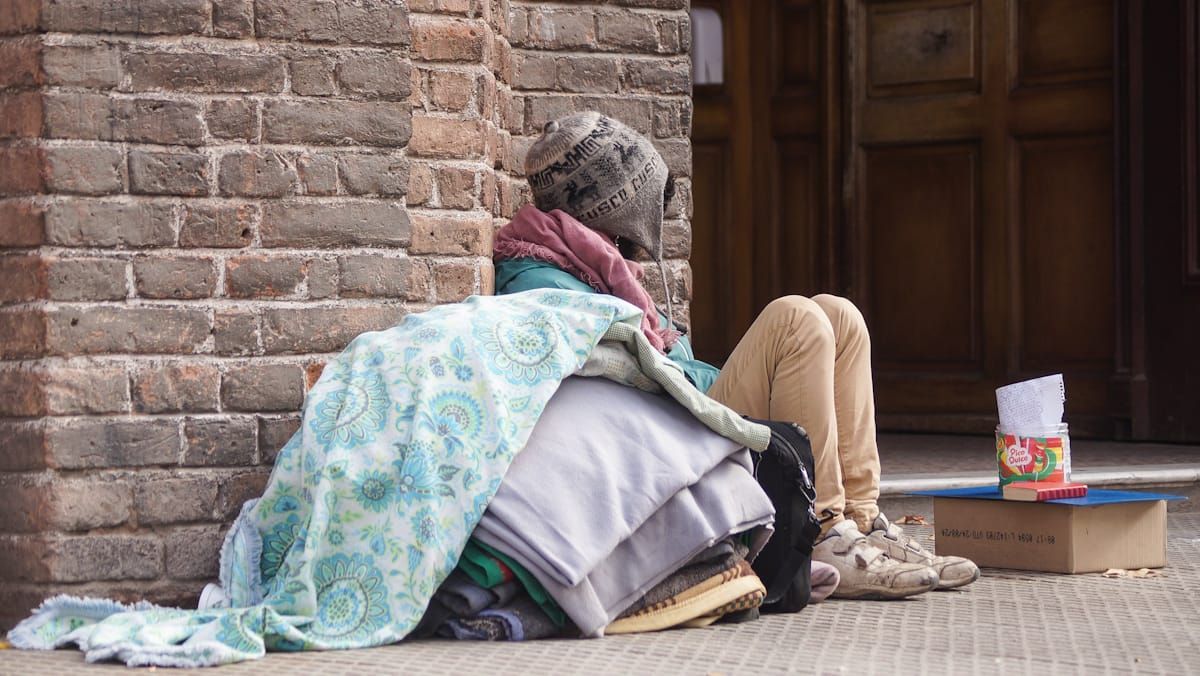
[404, 440]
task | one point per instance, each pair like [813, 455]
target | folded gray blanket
[615, 490]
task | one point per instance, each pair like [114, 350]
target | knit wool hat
[606, 175]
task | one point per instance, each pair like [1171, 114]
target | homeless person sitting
[600, 189]
[442, 481]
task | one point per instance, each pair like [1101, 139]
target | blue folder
[1095, 496]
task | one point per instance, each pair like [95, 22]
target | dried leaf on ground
[913, 520]
[1137, 574]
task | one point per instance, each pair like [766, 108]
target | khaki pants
[809, 361]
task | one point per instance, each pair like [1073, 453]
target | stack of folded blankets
[623, 513]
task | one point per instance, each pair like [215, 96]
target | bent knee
[801, 314]
[843, 314]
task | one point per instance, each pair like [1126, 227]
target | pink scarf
[557, 238]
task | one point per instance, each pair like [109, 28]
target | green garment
[522, 274]
[478, 561]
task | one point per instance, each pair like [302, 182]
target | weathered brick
[233, 18]
[22, 334]
[20, 62]
[161, 500]
[446, 137]
[91, 389]
[126, 16]
[77, 115]
[22, 278]
[256, 174]
[261, 276]
[87, 558]
[457, 187]
[30, 505]
[229, 441]
[637, 113]
[205, 72]
[87, 503]
[453, 281]
[322, 329]
[273, 433]
[383, 22]
[374, 75]
[660, 76]
[313, 76]
[112, 442]
[262, 387]
[560, 29]
[235, 119]
[333, 224]
[218, 225]
[381, 123]
[73, 279]
[677, 153]
[161, 121]
[677, 239]
[452, 90]
[322, 277]
[452, 235]
[628, 31]
[672, 117]
[236, 489]
[595, 74]
[21, 114]
[420, 184]
[318, 173]
[533, 70]
[374, 174]
[126, 330]
[158, 173]
[93, 66]
[656, 4]
[235, 333]
[19, 16]
[675, 35]
[370, 275]
[88, 170]
[312, 373]
[82, 222]
[541, 109]
[446, 39]
[193, 553]
[23, 393]
[22, 223]
[174, 388]
[24, 445]
[21, 170]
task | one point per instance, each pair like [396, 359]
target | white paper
[1031, 405]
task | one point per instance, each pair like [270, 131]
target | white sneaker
[953, 571]
[866, 571]
[212, 596]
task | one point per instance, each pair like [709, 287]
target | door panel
[921, 233]
[925, 48]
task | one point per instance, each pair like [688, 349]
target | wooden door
[982, 244]
[765, 172]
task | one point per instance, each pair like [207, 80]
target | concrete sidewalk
[1009, 622]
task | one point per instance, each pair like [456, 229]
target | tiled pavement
[1009, 622]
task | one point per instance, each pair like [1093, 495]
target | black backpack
[785, 472]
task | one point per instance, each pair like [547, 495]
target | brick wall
[201, 201]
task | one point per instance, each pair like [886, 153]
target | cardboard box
[1105, 529]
